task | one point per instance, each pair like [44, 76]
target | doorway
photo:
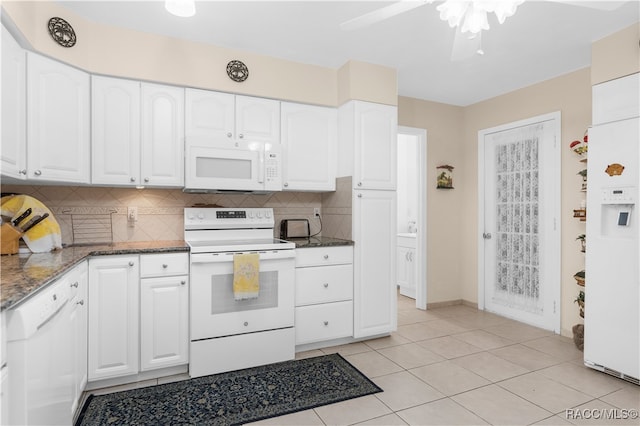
[412, 214]
[518, 216]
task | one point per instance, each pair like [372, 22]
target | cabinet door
[209, 116]
[309, 139]
[374, 296]
[57, 121]
[375, 138]
[257, 119]
[14, 96]
[78, 281]
[162, 135]
[164, 322]
[115, 131]
[113, 316]
[402, 266]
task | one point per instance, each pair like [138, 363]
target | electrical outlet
[316, 212]
[132, 215]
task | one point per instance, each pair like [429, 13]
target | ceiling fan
[468, 17]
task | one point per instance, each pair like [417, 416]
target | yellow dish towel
[246, 269]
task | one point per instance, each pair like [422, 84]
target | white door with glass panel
[519, 202]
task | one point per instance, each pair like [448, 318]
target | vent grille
[621, 376]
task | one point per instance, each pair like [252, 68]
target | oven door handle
[228, 257]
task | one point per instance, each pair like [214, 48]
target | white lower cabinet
[164, 312]
[374, 224]
[78, 283]
[324, 294]
[406, 265]
[138, 314]
[113, 316]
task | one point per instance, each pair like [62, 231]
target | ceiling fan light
[475, 20]
[453, 11]
[182, 8]
[505, 9]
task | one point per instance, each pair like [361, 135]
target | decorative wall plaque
[62, 32]
[237, 71]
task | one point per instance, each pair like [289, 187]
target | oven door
[215, 312]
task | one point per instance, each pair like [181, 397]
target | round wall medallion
[237, 71]
[62, 32]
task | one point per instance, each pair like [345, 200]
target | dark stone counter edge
[319, 242]
[12, 302]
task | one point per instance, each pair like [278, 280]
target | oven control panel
[227, 218]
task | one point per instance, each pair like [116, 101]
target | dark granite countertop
[24, 274]
[319, 242]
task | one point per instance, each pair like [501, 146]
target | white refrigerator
[612, 289]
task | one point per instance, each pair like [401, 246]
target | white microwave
[243, 166]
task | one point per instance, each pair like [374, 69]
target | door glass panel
[222, 300]
[517, 280]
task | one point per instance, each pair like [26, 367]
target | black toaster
[294, 228]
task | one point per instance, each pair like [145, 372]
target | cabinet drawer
[166, 264]
[324, 322]
[318, 256]
[322, 284]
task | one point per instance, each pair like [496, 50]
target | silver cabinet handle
[22, 172]
[325, 285]
[326, 256]
[80, 302]
[146, 179]
[132, 179]
[131, 263]
[75, 284]
[359, 183]
[165, 266]
[326, 323]
[37, 173]
[240, 136]
[183, 282]
[286, 184]
[246, 323]
[229, 134]
[486, 235]
[359, 195]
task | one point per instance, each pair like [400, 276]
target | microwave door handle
[261, 164]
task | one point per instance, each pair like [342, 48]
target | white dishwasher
[39, 358]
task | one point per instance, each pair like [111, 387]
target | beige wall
[571, 95]
[452, 138]
[616, 56]
[132, 54]
[445, 208]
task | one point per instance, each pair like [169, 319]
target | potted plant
[583, 242]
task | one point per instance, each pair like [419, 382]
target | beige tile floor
[460, 366]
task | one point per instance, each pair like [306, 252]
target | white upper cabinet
[137, 133]
[257, 119]
[57, 121]
[309, 140]
[115, 131]
[162, 135]
[14, 96]
[223, 116]
[367, 148]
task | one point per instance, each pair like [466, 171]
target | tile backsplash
[160, 211]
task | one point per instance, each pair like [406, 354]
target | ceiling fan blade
[465, 47]
[599, 5]
[382, 14]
